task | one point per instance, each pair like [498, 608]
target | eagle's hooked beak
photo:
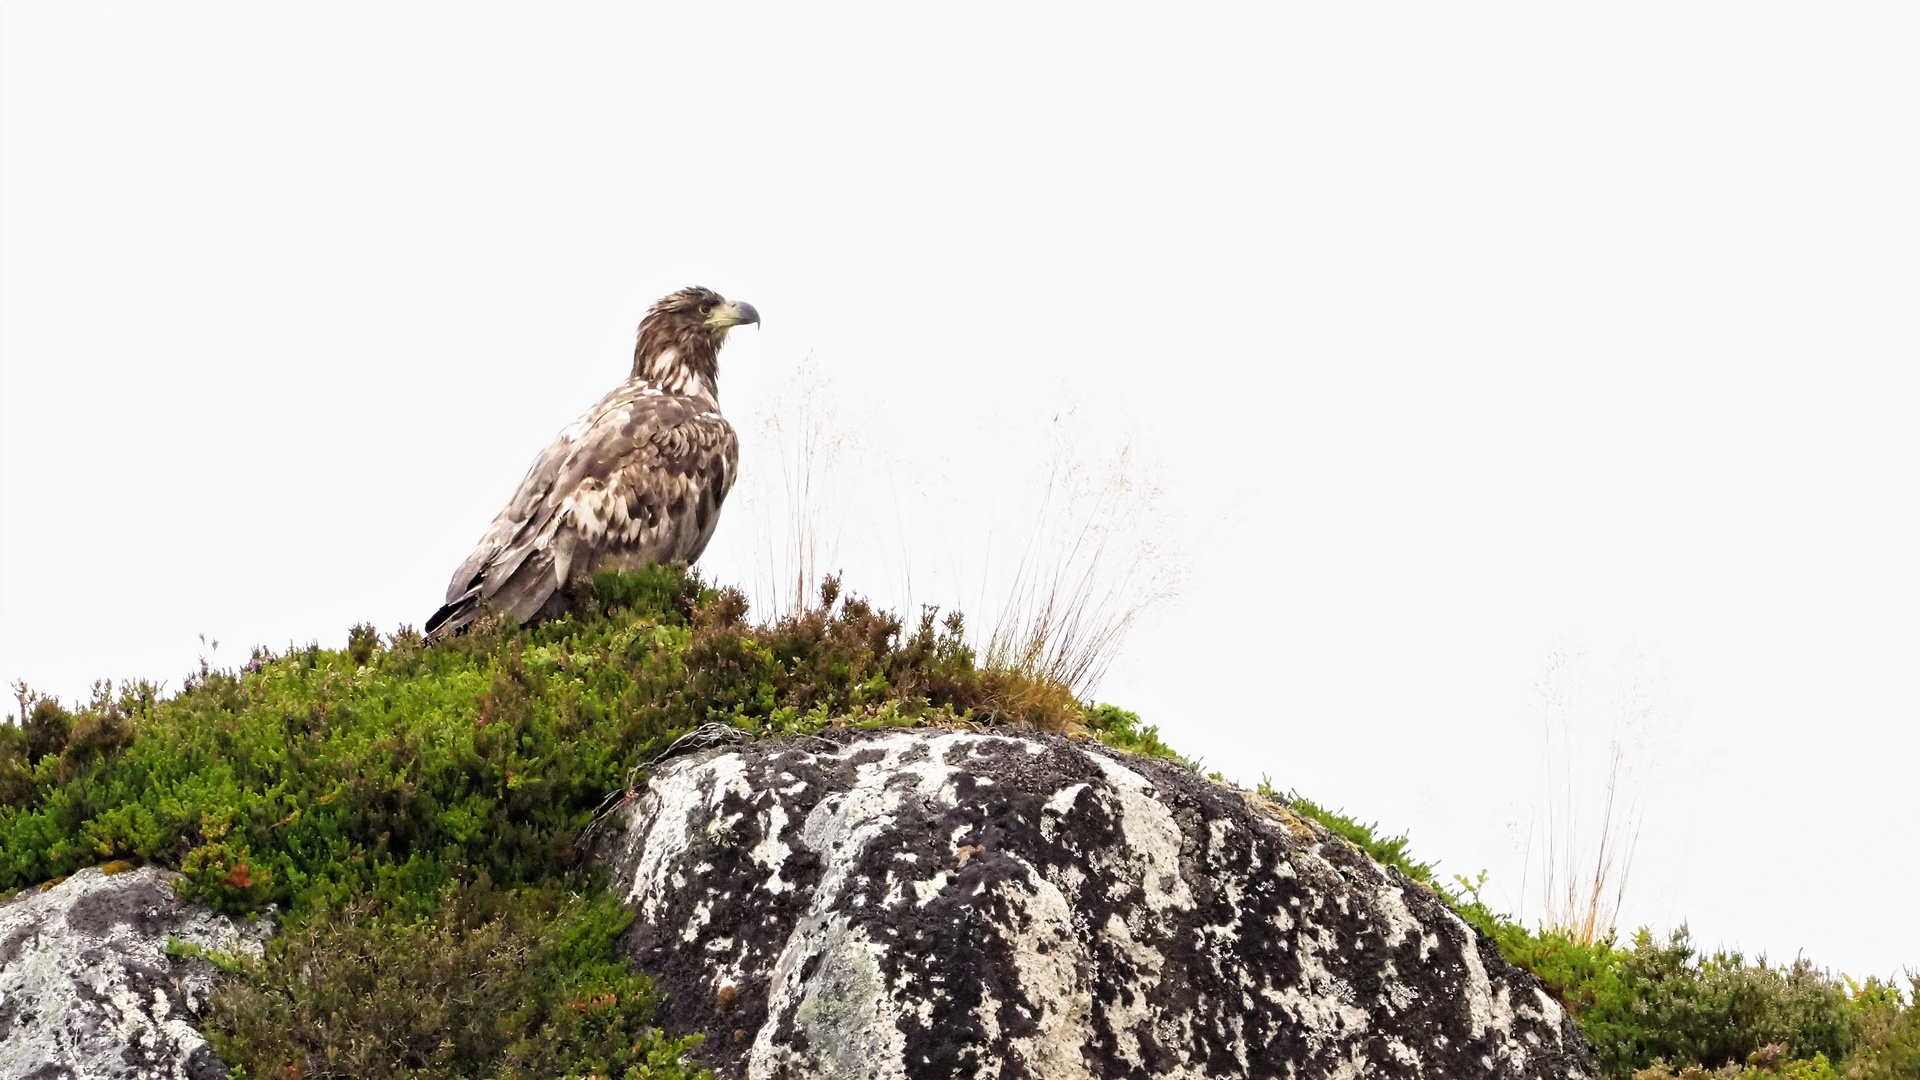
[734, 313]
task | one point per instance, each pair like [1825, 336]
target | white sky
[1451, 333]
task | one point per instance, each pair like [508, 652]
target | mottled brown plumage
[639, 479]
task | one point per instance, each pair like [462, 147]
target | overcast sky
[1453, 337]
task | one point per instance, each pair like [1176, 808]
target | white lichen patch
[702, 915]
[1322, 1002]
[846, 1018]
[1054, 980]
[661, 830]
[1399, 923]
[1128, 1010]
[1486, 1008]
[771, 852]
[925, 891]
[1550, 1012]
[1058, 806]
[1153, 837]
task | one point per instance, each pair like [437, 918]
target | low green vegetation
[1655, 1008]
[412, 816]
[1122, 729]
[1388, 851]
[518, 984]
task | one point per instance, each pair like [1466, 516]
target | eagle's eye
[706, 309]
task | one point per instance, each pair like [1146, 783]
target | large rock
[87, 990]
[938, 903]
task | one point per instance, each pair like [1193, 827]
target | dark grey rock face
[87, 990]
[936, 903]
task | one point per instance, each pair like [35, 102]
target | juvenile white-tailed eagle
[638, 479]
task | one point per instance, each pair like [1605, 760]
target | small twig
[700, 738]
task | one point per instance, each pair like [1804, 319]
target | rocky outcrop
[87, 989]
[945, 903]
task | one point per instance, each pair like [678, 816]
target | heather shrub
[1657, 1009]
[1768, 1063]
[1719, 1010]
[44, 729]
[1889, 1042]
[666, 592]
[510, 984]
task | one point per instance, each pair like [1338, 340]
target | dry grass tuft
[1031, 700]
[1085, 575]
[1597, 748]
[796, 522]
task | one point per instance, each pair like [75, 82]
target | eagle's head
[680, 338]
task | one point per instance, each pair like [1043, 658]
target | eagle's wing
[638, 479]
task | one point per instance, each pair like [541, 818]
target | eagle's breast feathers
[644, 486]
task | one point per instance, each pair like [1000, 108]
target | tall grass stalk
[793, 495]
[1597, 746]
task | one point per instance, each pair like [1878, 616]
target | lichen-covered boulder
[945, 903]
[87, 989]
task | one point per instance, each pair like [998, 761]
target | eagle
[639, 479]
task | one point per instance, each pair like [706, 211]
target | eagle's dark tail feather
[453, 618]
[529, 594]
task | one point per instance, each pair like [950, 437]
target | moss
[1389, 851]
[227, 962]
[1119, 728]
